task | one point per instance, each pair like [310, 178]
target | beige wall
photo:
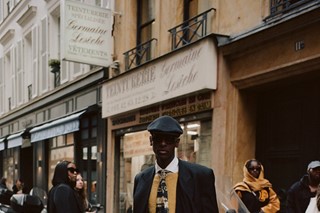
[235, 17]
[230, 18]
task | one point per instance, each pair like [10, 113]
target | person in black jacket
[62, 197]
[190, 188]
[18, 187]
[301, 192]
[5, 193]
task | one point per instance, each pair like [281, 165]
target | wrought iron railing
[139, 55]
[283, 6]
[189, 31]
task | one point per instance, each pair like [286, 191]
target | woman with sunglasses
[255, 191]
[62, 197]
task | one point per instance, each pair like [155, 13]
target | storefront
[32, 154]
[74, 138]
[180, 84]
[133, 145]
[17, 158]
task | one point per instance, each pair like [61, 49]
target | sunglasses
[254, 168]
[168, 139]
[73, 170]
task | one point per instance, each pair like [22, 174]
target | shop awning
[15, 140]
[57, 127]
[2, 145]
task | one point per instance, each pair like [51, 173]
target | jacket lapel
[185, 190]
[144, 189]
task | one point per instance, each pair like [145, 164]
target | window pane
[85, 153]
[94, 132]
[85, 122]
[85, 134]
[94, 153]
[147, 11]
[94, 121]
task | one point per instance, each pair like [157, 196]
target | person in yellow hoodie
[255, 191]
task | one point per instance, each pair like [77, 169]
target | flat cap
[313, 164]
[165, 124]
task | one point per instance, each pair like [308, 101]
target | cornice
[7, 37]
[27, 16]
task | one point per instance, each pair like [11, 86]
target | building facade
[240, 76]
[50, 109]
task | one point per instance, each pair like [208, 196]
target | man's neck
[313, 188]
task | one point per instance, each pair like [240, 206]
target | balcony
[189, 31]
[139, 55]
[183, 34]
[283, 6]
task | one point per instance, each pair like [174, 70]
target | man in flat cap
[173, 184]
[304, 191]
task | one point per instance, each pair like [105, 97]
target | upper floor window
[283, 6]
[142, 52]
[145, 18]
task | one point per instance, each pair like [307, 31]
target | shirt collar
[172, 167]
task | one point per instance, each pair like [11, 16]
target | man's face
[314, 175]
[164, 145]
[72, 172]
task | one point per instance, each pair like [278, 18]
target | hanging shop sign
[180, 73]
[86, 33]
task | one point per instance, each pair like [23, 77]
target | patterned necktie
[162, 195]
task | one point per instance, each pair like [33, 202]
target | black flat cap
[165, 124]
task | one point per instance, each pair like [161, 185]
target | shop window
[88, 155]
[61, 148]
[136, 154]
[9, 166]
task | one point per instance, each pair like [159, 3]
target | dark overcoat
[196, 191]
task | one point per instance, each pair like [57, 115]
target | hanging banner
[86, 33]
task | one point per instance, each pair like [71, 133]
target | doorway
[288, 135]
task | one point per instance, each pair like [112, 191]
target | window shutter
[20, 73]
[34, 61]
[44, 75]
[13, 78]
[2, 80]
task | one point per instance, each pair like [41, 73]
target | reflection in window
[189, 142]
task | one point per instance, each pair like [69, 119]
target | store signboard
[189, 70]
[86, 33]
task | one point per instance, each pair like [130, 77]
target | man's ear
[150, 139]
[177, 142]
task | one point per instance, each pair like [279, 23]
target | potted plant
[55, 65]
